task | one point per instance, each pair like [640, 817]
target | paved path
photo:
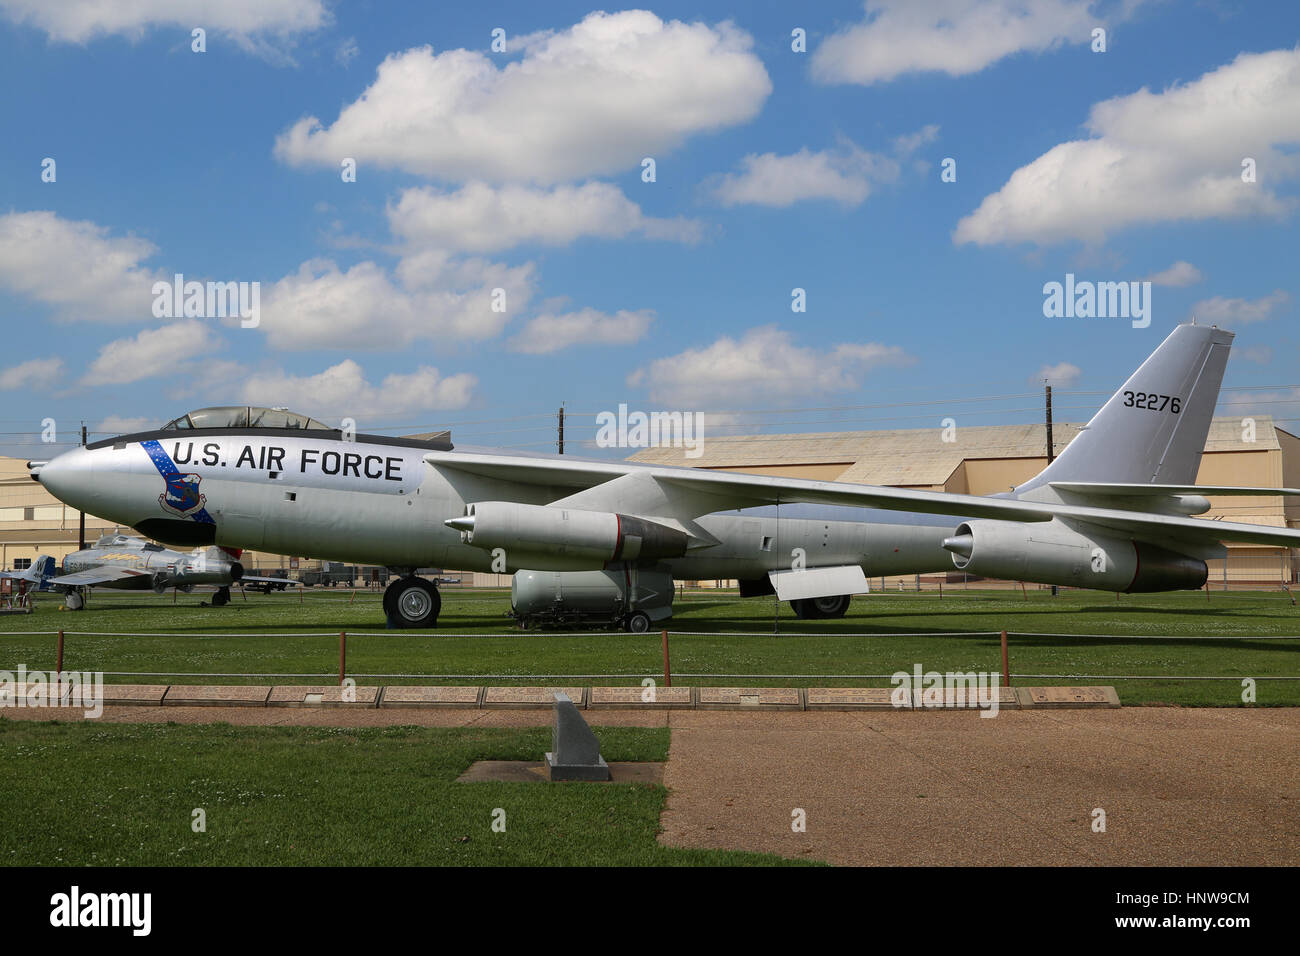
[1180, 787]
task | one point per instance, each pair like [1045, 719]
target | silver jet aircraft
[125, 562]
[1112, 512]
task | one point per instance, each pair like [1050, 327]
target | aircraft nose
[68, 477]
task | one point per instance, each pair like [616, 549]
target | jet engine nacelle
[1050, 552]
[562, 539]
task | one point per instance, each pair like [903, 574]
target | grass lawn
[75, 794]
[1080, 633]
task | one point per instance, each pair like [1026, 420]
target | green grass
[124, 794]
[466, 642]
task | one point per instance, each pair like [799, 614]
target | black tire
[221, 597]
[831, 607]
[412, 602]
[638, 623]
[818, 609]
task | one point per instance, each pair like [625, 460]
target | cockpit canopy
[243, 416]
[125, 541]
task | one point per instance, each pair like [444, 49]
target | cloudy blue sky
[517, 176]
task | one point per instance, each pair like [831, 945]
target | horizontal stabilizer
[1103, 488]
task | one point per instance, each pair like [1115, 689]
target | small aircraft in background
[129, 563]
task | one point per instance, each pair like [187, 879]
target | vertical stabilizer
[1153, 430]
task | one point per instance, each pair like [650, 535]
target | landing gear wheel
[73, 601]
[816, 609]
[834, 606]
[412, 602]
[221, 598]
[638, 623]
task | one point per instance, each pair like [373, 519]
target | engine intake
[1050, 552]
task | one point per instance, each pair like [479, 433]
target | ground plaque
[641, 698]
[406, 696]
[521, 697]
[302, 695]
[215, 695]
[1063, 698]
[745, 698]
[138, 695]
[969, 698]
[854, 698]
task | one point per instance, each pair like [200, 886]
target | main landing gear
[221, 597]
[412, 602]
[822, 607]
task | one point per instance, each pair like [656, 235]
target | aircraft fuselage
[373, 500]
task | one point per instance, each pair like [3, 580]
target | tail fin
[39, 574]
[44, 567]
[1153, 429]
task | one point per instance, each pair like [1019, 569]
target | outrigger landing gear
[221, 598]
[412, 602]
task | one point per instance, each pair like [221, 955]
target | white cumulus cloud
[844, 174]
[550, 332]
[342, 391]
[482, 218]
[589, 100]
[1159, 157]
[1224, 311]
[1062, 374]
[150, 354]
[34, 373]
[250, 23]
[772, 180]
[956, 37]
[1177, 275]
[430, 296]
[763, 363]
[76, 267]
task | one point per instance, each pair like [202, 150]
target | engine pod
[1051, 552]
[545, 538]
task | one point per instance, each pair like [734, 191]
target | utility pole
[560, 417]
[1051, 453]
[1051, 449]
[81, 521]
